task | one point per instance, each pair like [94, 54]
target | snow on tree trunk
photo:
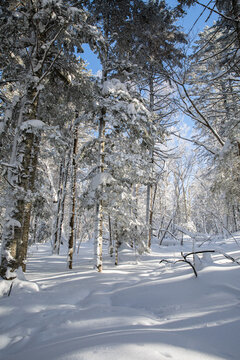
[110, 237]
[56, 240]
[62, 190]
[73, 198]
[117, 244]
[30, 166]
[99, 205]
[149, 201]
[20, 197]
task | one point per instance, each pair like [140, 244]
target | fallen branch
[195, 253]
[181, 260]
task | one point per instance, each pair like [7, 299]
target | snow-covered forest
[132, 172]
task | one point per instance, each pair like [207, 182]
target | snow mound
[4, 287]
[8, 288]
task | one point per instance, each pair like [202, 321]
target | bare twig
[195, 142]
[10, 289]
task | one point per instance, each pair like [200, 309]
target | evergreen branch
[225, 72]
[220, 52]
[208, 41]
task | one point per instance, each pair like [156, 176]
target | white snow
[113, 86]
[101, 179]
[13, 223]
[136, 311]
[36, 124]
[1, 127]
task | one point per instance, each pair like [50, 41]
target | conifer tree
[40, 37]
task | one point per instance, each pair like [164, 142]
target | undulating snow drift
[138, 310]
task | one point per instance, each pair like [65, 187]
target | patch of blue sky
[92, 61]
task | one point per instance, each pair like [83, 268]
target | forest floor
[138, 310]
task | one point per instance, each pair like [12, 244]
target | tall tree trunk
[152, 203]
[110, 236]
[31, 165]
[149, 201]
[62, 190]
[117, 243]
[55, 238]
[73, 198]
[99, 205]
[24, 160]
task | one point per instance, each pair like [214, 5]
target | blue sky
[187, 22]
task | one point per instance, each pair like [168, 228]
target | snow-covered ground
[139, 310]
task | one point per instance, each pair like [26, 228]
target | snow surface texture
[139, 310]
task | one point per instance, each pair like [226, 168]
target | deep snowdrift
[139, 310]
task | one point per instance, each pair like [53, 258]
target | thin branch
[14, 187]
[50, 67]
[50, 44]
[217, 12]
[195, 253]
[198, 17]
[206, 122]
[195, 142]
[225, 72]
[169, 233]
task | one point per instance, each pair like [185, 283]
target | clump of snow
[18, 284]
[32, 124]
[6, 253]
[24, 286]
[10, 274]
[4, 287]
[101, 179]
[227, 148]
[113, 86]
[13, 223]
